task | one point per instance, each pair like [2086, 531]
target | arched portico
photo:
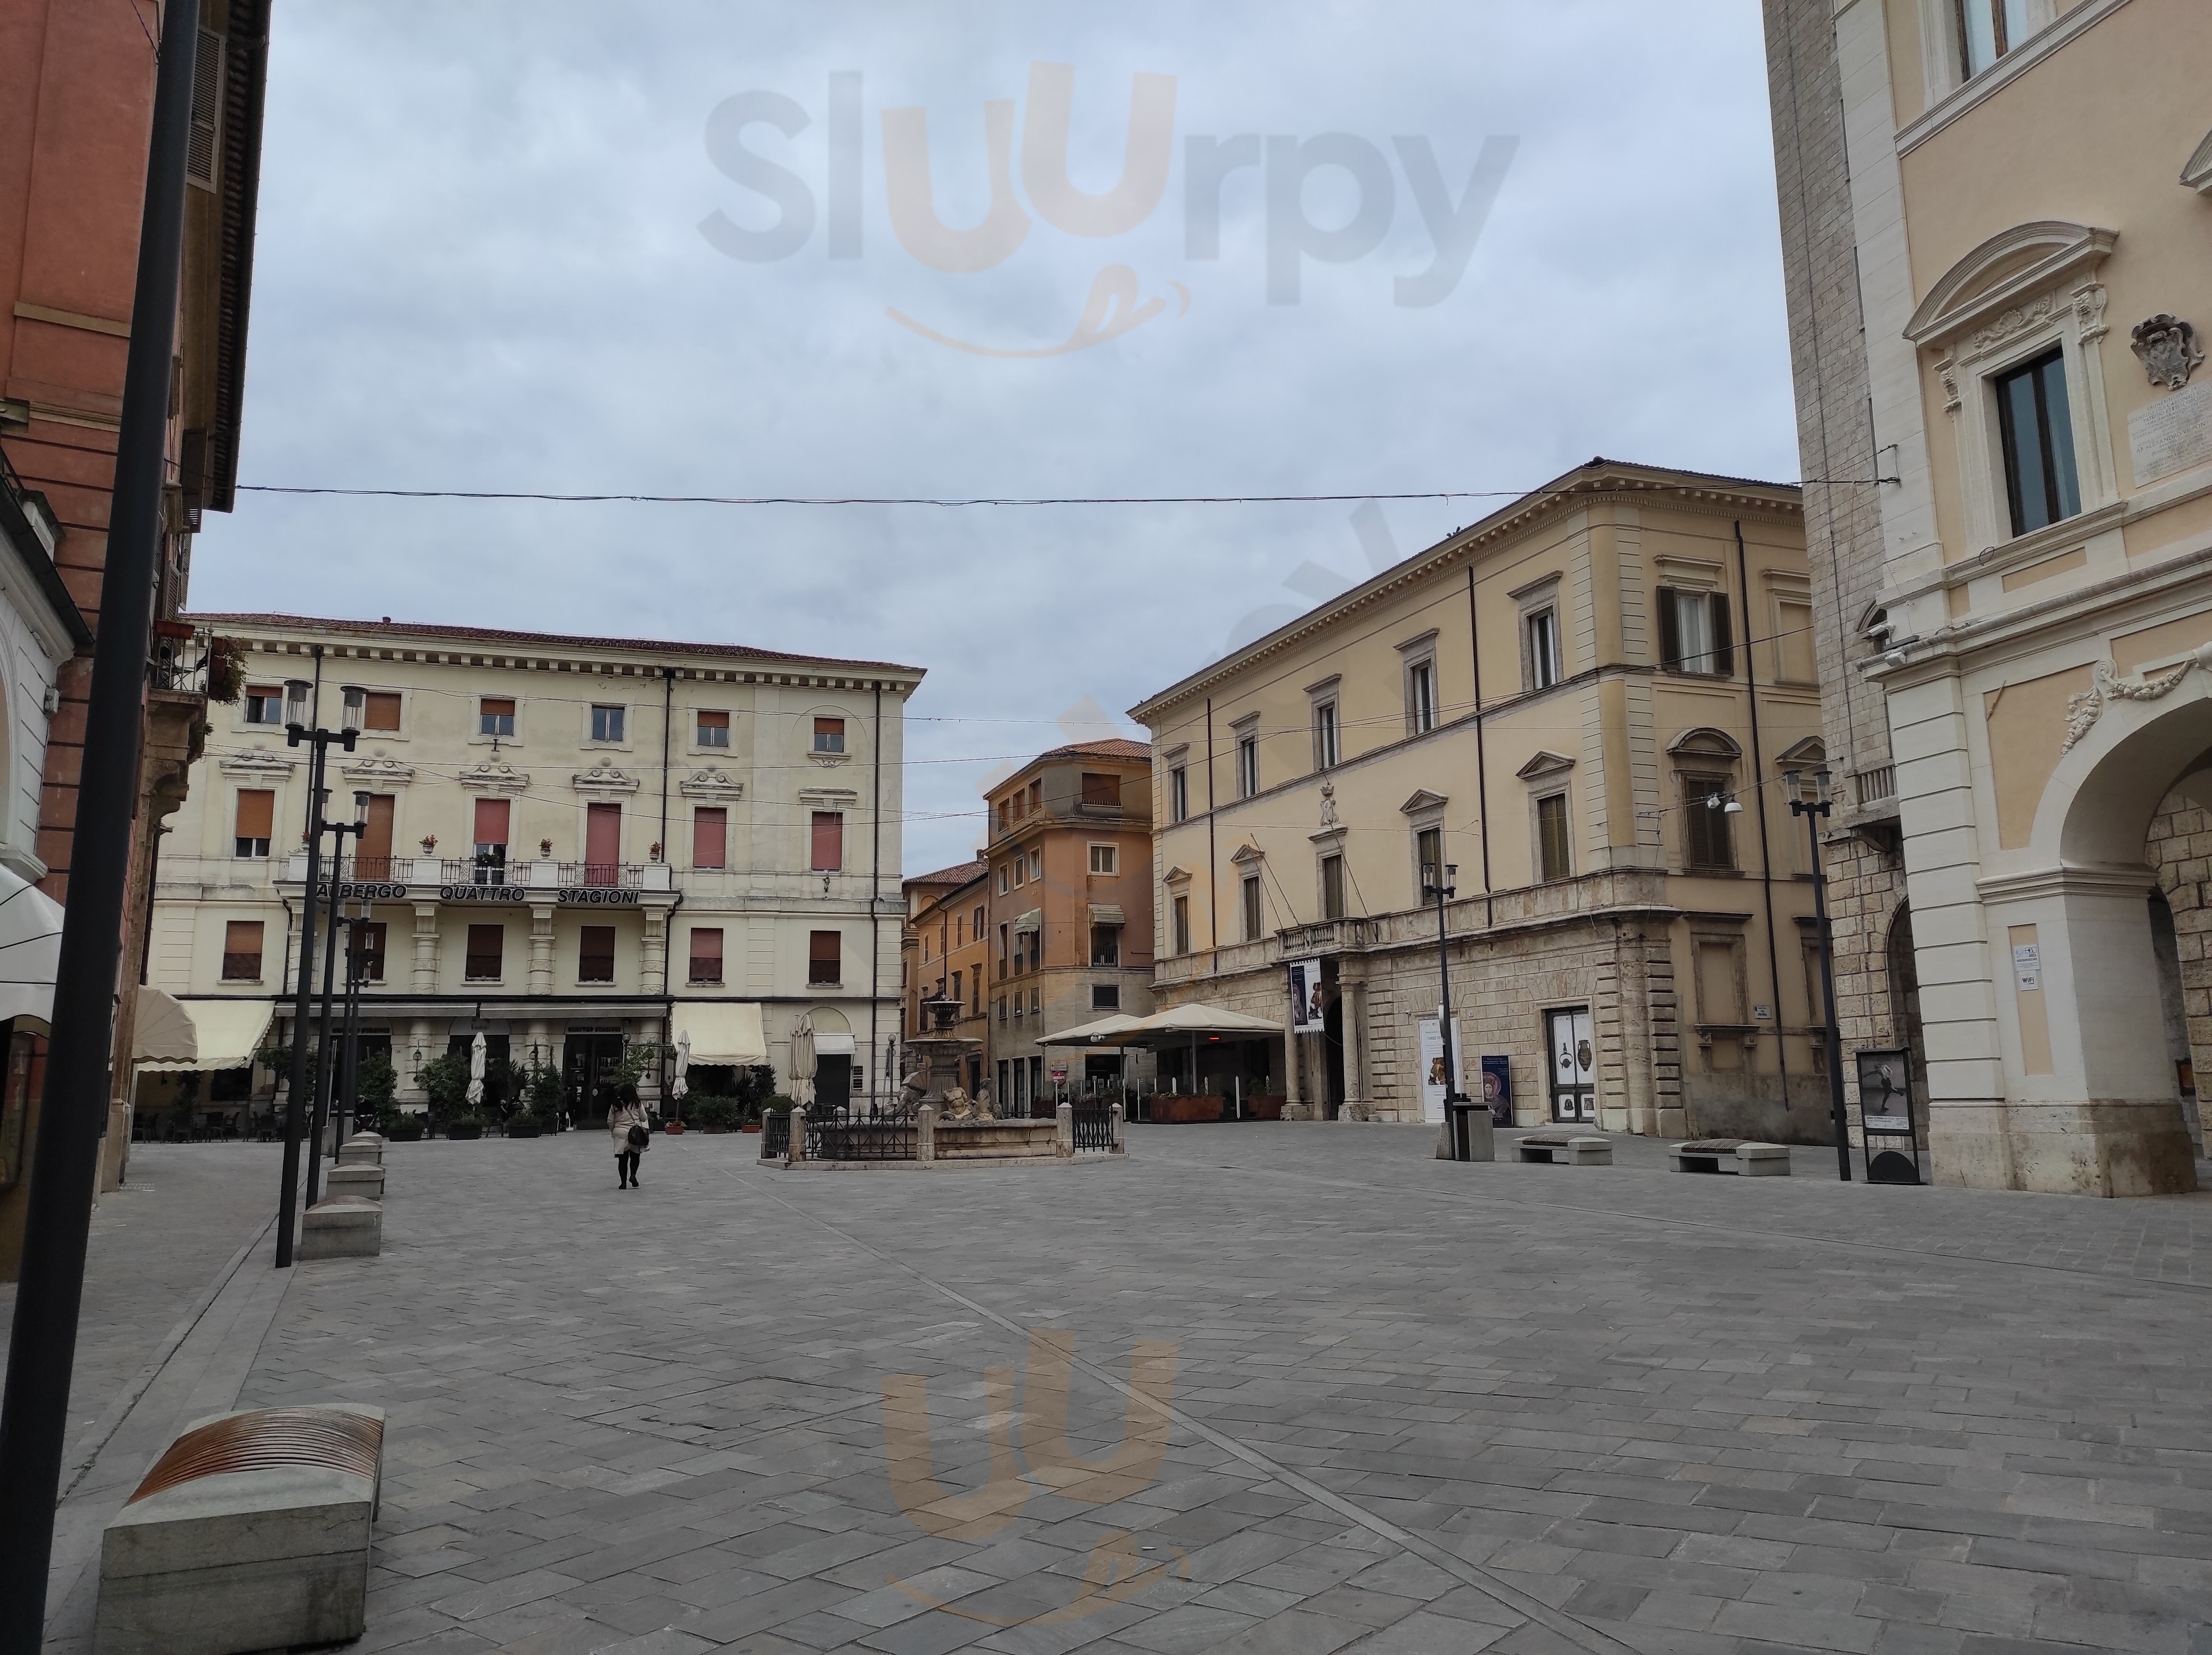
[2092, 1103]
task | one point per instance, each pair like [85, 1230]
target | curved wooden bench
[250, 1532]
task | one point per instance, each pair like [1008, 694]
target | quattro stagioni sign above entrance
[585, 896]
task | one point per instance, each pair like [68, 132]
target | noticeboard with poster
[1436, 1077]
[1308, 1014]
[1497, 1089]
[1885, 1078]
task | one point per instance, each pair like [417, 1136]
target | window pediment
[378, 772]
[1705, 743]
[494, 776]
[1175, 876]
[1545, 765]
[256, 762]
[604, 781]
[829, 799]
[712, 784]
[1244, 856]
[1422, 803]
[1802, 755]
[2020, 265]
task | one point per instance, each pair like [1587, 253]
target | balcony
[465, 879]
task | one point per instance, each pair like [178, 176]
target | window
[1181, 911]
[595, 954]
[492, 816]
[1036, 802]
[1248, 765]
[957, 993]
[1005, 878]
[1552, 861]
[1179, 794]
[828, 838]
[976, 923]
[1989, 28]
[999, 1006]
[976, 993]
[486, 944]
[1429, 859]
[1105, 860]
[1331, 888]
[1707, 840]
[710, 836]
[495, 716]
[607, 723]
[1255, 923]
[1795, 659]
[1105, 945]
[373, 938]
[264, 704]
[1021, 867]
[380, 710]
[602, 843]
[714, 729]
[2036, 427]
[373, 855]
[1003, 949]
[257, 819]
[1105, 996]
[1037, 1003]
[241, 951]
[1324, 736]
[1694, 633]
[1421, 697]
[1542, 633]
[1101, 793]
[1006, 810]
[826, 957]
[1036, 866]
[829, 735]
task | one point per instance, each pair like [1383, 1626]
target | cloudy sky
[736, 248]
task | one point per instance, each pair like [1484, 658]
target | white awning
[833, 1045]
[1033, 920]
[171, 1034]
[1101, 1033]
[30, 948]
[720, 1032]
[1107, 914]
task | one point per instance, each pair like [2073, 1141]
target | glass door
[1573, 1063]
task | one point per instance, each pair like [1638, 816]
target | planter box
[674, 1129]
[1185, 1110]
[405, 1132]
[751, 1126]
[1265, 1108]
[462, 1132]
[525, 1129]
[715, 1131]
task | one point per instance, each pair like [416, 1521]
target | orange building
[1070, 856]
[943, 954]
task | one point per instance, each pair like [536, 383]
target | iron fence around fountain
[1094, 1124]
[866, 1137]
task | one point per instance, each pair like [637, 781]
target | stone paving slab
[1417, 1405]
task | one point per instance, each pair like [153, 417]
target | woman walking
[626, 1125]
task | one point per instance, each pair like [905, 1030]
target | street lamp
[1441, 883]
[1816, 810]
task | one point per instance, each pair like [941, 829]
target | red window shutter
[256, 814]
[706, 953]
[376, 843]
[829, 841]
[492, 816]
[824, 957]
[380, 711]
[710, 838]
[602, 835]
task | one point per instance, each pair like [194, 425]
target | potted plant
[445, 1079]
[523, 1123]
[755, 1086]
[225, 670]
[430, 844]
[403, 1128]
[464, 1126]
[373, 1090]
[714, 1115]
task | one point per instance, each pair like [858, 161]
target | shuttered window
[374, 860]
[1553, 861]
[710, 837]
[241, 951]
[487, 948]
[714, 729]
[257, 817]
[595, 954]
[1102, 792]
[829, 735]
[829, 841]
[1694, 633]
[1707, 841]
[825, 956]
[206, 110]
[706, 953]
[380, 710]
[495, 716]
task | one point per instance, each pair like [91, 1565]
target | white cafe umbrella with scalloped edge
[477, 1071]
[682, 1089]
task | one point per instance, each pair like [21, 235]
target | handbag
[638, 1137]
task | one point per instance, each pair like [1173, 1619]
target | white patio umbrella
[682, 1087]
[802, 1060]
[477, 1071]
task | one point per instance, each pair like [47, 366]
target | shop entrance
[1573, 1064]
[589, 1062]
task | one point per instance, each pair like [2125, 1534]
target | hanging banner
[1436, 1080]
[1308, 1015]
[1497, 1089]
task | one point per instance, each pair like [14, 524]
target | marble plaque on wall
[2171, 434]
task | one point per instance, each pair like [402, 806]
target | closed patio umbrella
[477, 1071]
[802, 1060]
[682, 1087]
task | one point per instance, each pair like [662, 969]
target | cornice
[2101, 880]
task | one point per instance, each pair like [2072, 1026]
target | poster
[1307, 1016]
[1435, 1083]
[1497, 1089]
[1885, 1092]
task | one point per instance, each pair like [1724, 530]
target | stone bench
[251, 1532]
[1567, 1149]
[342, 1227]
[365, 1181]
[1735, 1155]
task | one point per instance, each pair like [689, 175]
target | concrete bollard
[1115, 1114]
[366, 1182]
[362, 1149]
[925, 1134]
[796, 1155]
[1063, 1137]
[342, 1227]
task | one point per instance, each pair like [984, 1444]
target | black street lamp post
[303, 994]
[325, 1054]
[1442, 884]
[1816, 810]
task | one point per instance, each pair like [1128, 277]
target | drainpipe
[1212, 869]
[875, 892]
[1758, 794]
[667, 719]
[1481, 762]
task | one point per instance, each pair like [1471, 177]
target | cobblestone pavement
[1417, 1406]
[157, 1245]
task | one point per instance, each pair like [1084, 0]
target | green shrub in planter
[404, 1129]
[523, 1123]
[712, 1114]
[464, 1126]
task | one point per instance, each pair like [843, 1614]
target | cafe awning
[172, 1035]
[1102, 1032]
[30, 948]
[721, 1032]
[1179, 1024]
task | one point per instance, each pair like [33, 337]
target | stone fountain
[944, 1057]
[951, 1126]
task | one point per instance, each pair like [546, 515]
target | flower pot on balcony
[1185, 1109]
[1264, 1108]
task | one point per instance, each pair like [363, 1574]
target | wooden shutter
[714, 729]
[486, 944]
[706, 953]
[241, 950]
[824, 956]
[380, 710]
[207, 109]
[376, 843]
[257, 813]
[492, 816]
[602, 835]
[1723, 641]
[595, 954]
[710, 838]
[1551, 824]
[829, 841]
[1670, 630]
[1102, 792]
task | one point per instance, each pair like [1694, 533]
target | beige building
[1565, 700]
[944, 956]
[575, 847]
[1996, 214]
